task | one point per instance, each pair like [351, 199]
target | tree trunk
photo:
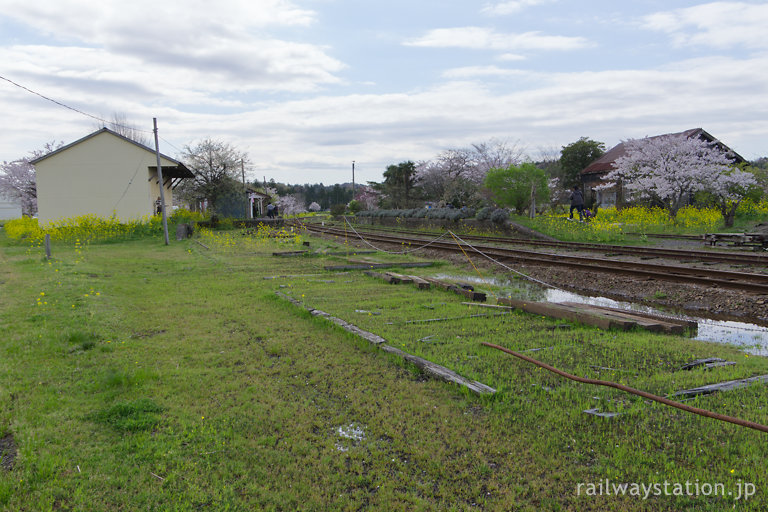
[729, 214]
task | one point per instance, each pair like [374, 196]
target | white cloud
[222, 49]
[200, 77]
[717, 24]
[478, 71]
[607, 105]
[314, 139]
[481, 38]
[504, 8]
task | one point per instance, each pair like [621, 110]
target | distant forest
[324, 195]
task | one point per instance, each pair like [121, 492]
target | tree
[120, 124]
[670, 168]
[456, 175]
[495, 154]
[215, 165]
[354, 206]
[729, 188]
[18, 180]
[759, 168]
[314, 207]
[290, 205]
[367, 197]
[399, 185]
[514, 186]
[575, 157]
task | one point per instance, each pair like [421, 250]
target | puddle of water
[749, 337]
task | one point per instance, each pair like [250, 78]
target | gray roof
[605, 163]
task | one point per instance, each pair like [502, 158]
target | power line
[71, 108]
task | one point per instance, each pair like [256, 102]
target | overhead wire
[505, 266]
[97, 118]
[405, 251]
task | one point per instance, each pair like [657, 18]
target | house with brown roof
[104, 173]
[593, 174]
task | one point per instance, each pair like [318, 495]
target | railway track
[686, 255]
[744, 281]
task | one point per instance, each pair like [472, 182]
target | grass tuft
[141, 414]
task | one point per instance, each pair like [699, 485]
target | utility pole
[353, 179]
[162, 185]
[245, 190]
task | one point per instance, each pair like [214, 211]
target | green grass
[173, 378]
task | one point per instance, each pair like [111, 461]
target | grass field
[135, 376]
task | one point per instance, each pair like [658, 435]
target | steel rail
[653, 252]
[711, 277]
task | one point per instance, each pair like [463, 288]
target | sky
[306, 87]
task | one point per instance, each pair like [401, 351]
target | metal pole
[245, 190]
[353, 179]
[162, 186]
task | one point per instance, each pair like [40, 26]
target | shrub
[18, 229]
[338, 209]
[354, 206]
[499, 216]
[751, 210]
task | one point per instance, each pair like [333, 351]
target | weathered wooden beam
[421, 283]
[400, 277]
[701, 362]
[722, 386]
[567, 313]
[668, 324]
[644, 323]
[347, 253]
[470, 294]
[378, 265]
[378, 275]
[290, 253]
[441, 372]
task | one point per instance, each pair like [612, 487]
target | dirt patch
[7, 452]
[716, 302]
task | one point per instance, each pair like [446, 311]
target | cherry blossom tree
[290, 205]
[456, 175]
[670, 168]
[729, 188]
[368, 198]
[314, 207]
[18, 180]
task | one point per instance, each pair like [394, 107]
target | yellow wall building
[101, 174]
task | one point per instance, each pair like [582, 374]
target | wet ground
[751, 337]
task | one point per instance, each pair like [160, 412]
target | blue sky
[307, 86]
